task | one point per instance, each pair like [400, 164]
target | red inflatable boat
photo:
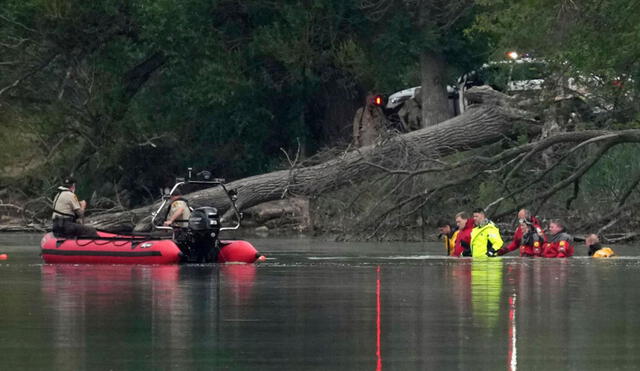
[119, 249]
[197, 243]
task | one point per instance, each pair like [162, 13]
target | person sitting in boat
[67, 210]
[524, 215]
[448, 235]
[463, 239]
[179, 212]
[560, 243]
[485, 237]
[595, 249]
[531, 241]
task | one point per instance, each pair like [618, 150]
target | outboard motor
[204, 226]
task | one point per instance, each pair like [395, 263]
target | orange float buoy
[4, 256]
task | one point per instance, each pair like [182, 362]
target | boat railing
[231, 194]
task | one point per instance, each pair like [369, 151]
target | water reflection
[167, 307]
[486, 290]
[349, 308]
[512, 356]
[475, 296]
[378, 323]
[435, 314]
[241, 278]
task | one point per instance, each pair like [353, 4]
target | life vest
[531, 244]
[559, 246]
[604, 252]
[450, 241]
[537, 248]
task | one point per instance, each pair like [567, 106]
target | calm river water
[316, 305]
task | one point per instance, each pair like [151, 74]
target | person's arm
[176, 215]
[513, 245]
[495, 239]
[78, 206]
[516, 241]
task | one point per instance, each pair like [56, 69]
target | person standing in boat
[485, 237]
[179, 211]
[67, 210]
[560, 244]
[524, 216]
[448, 235]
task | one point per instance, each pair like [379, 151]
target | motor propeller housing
[203, 244]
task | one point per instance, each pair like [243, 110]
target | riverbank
[300, 217]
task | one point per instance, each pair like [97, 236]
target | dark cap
[68, 181]
[443, 223]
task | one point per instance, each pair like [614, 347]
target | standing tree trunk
[435, 105]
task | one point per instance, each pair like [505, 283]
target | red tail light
[378, 100]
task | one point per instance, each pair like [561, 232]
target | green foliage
[489, 190]
[593, 41]
[233, 83]
[408, 29]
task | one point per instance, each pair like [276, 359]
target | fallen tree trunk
[478, 126]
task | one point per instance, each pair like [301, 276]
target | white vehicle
[522, 76]
[515, 75]
[511, 76]
[396, 99]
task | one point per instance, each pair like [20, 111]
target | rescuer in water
[560, 243]
[531, 241]
[448, 235]
[524, 215]
[595, 249]
[485, 237]
[463, 239]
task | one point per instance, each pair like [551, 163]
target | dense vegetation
[127, 94]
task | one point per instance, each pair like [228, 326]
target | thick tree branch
[545, 196]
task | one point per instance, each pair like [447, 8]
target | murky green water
[322, 306]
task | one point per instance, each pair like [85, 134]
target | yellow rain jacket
[485, 240]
